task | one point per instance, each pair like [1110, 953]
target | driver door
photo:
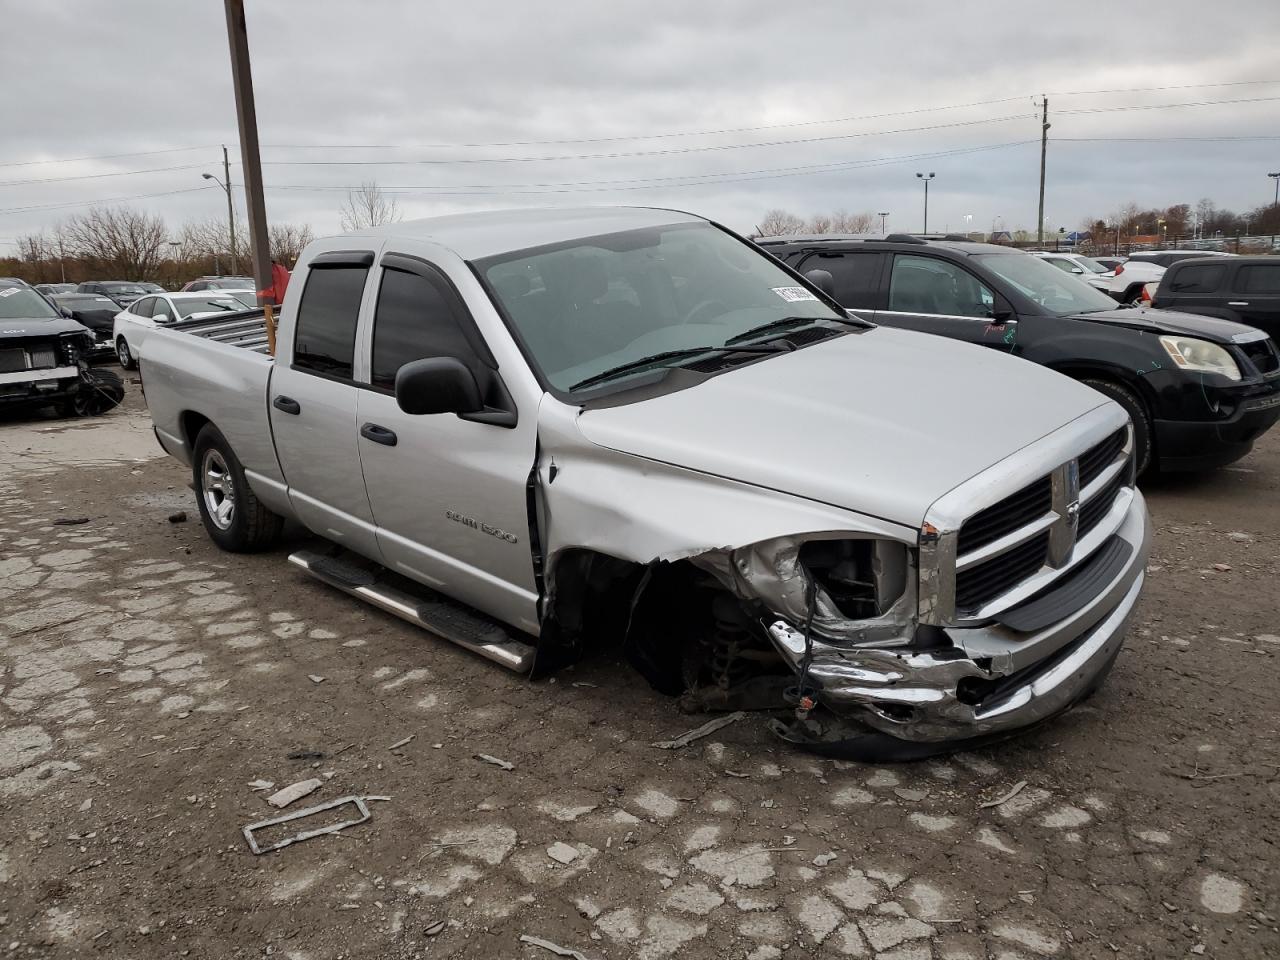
[934, 295]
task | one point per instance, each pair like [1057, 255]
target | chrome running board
[467, 628]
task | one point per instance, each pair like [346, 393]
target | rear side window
[855, 276]
[143, 308]
[1259, 278]
[325, 337]
[1198, 278]
[416, 318]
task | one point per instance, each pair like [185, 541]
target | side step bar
[465, 627]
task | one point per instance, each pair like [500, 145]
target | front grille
[35, 356]
[1262, 354]
[1098, 457]
[12, 360]
[42, 358]
[981, 584]
[1093, 511]
[1017, 510]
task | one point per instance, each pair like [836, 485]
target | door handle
[378, 434]
[287, 405]
[1237, 303]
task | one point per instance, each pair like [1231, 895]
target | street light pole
[231, 210]
[1275, 207]
[882, 217]
[926, 198]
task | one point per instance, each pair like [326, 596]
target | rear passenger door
[1255, 296]
[449, 491]
[855, 278]
[934, 295]
[1197, 288]
[312, 397]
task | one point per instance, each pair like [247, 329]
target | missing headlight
[845, 571]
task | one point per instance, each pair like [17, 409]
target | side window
[143, 308]
[324, 340]
[1063, 265]
[416, 317]
[855, 276]
[1259, 278]
[930, 285]
[162, 307]
[1198, 278]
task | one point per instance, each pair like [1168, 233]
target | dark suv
[1199, 390]
[1243, 289]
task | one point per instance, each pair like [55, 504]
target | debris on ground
[1012, 792]
[256, 785]
[433, 929]
[179, 517]
[495, 761]
[70, 521]
[1222, 567]
[822, 859]
[555, 948]
[708, 728]
[295, 791]
[562, 852]
[1239, 536]
[402, 743]
[307, 834]
[308, 755]
[316, 678]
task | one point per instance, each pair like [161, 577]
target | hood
[881, 422]
[95, 318]
[40, 328]
[1170, 321]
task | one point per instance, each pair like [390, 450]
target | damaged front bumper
[987, 679]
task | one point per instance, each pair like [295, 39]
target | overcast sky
[442, 100]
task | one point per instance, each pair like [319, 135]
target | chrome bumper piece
[919, 695]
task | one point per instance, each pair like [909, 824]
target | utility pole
[231, 209]
[250, 161]
[883, 216]
[926, 197]
[1275, 209]
[1044, 146]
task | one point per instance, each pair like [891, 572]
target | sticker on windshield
[9, 291]
[792, 294]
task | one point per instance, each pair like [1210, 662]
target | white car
[1148, 266]
[134, 322]
[1090, 271]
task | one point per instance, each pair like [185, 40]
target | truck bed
[243, 328]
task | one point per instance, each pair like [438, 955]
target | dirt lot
[146, 680]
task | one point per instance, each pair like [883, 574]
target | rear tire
[1143, 449]
[124, 355]
[233, 516]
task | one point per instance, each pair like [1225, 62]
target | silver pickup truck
[544, 431]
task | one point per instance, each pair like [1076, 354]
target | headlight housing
[1188, 353]
[71, 348]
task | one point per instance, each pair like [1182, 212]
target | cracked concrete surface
[147, 679]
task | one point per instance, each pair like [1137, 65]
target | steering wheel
[702, 307]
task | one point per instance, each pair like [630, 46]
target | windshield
[595, 304]
[1062, 294]
[23, 303]
[231, 283]
[1093, 266]
[211, 304]
[123, 289]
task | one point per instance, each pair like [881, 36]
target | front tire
[1143, 450]
[233, 516]
[124, 355]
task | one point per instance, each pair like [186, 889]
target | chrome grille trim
[939, 561]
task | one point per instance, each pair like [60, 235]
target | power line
[643, 153]
[105, 156]
[91, 203]
[1165, 106]
[1158, 139]
[1181, 86]
[646, 183]
[99, 176]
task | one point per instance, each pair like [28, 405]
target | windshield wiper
[666, 355]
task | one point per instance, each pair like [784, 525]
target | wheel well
[192, 424]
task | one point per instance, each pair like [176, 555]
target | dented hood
[881, 422]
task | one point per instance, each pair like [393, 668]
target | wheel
[1132, 293]
[97, 392]
[1137, 411]
[123, 354]
[233, 516]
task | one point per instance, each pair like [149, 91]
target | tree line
[124, 243]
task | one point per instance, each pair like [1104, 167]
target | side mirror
[1077, 269]
[1002, 311]
[66, 312]
[160, 317]
[437, 385]
[823, 280]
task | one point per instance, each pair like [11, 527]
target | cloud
[144, 75]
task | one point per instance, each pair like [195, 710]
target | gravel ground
[147, 681]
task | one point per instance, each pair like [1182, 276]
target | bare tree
[202, 240]
[778, 223]
[819, 223]
[368, 207]
[842, 221]
[118, 241]
[287, 241]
